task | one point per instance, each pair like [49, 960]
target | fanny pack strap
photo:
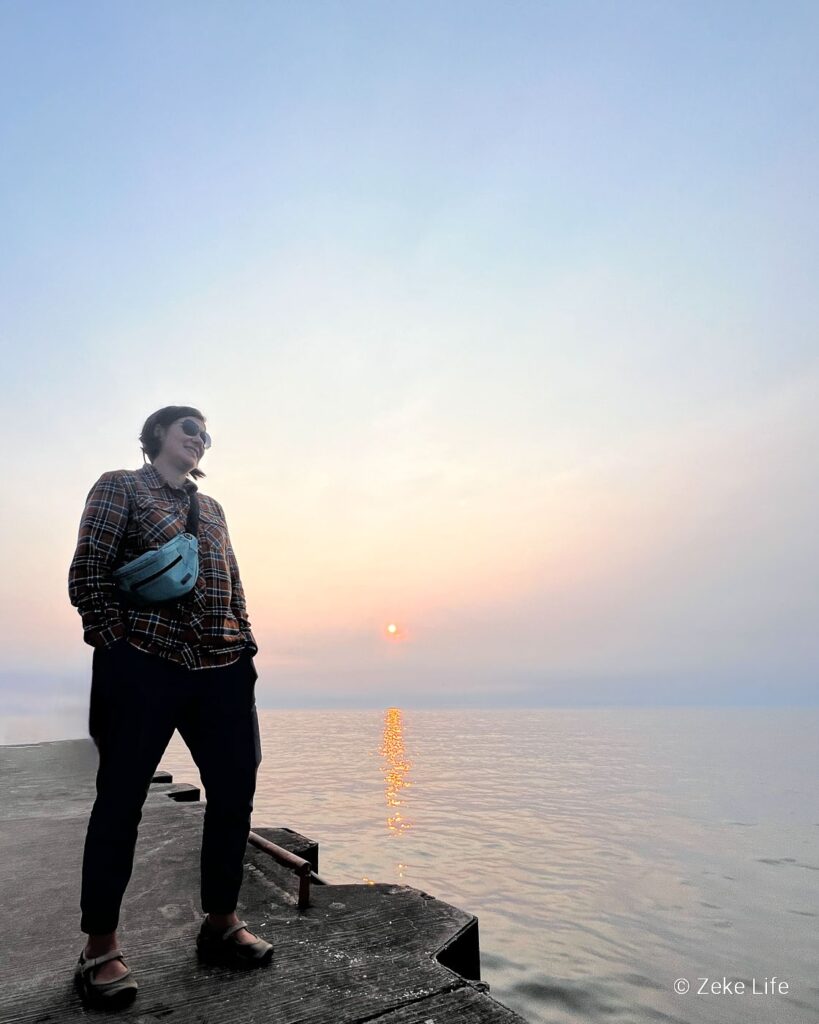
[192, 522]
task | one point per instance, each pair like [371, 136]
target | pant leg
[219, 724]
[133, 708]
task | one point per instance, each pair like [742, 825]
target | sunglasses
[191, 428]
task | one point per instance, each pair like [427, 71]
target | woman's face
[184, 450]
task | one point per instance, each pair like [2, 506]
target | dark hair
[151, 444]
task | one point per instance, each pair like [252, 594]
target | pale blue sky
[503, 316]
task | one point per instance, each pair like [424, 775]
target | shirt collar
[155, 480]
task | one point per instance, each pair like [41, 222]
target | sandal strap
[233, 928]
[123, 981]
[89, 965]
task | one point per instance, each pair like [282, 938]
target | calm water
[605, 853]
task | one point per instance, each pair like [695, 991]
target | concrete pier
[386, 953]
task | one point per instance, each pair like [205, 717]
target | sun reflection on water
[396, 770]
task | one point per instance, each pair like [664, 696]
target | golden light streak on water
[396, 769]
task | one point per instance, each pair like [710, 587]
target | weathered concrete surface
[359, 953]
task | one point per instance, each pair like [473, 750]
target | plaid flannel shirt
[206, 628]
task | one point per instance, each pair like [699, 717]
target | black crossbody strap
[192, 523]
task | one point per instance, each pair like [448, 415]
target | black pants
[137, 700]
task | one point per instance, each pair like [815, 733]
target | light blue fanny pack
[165, 573]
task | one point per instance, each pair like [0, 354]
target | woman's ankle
[96, 945]
[221, 921]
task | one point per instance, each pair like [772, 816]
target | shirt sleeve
[238, 605]
[91, 586]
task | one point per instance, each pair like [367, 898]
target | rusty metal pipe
[298, 865]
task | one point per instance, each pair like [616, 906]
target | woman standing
[183, 664]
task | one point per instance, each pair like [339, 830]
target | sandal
[116, 992]
[217, 947]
